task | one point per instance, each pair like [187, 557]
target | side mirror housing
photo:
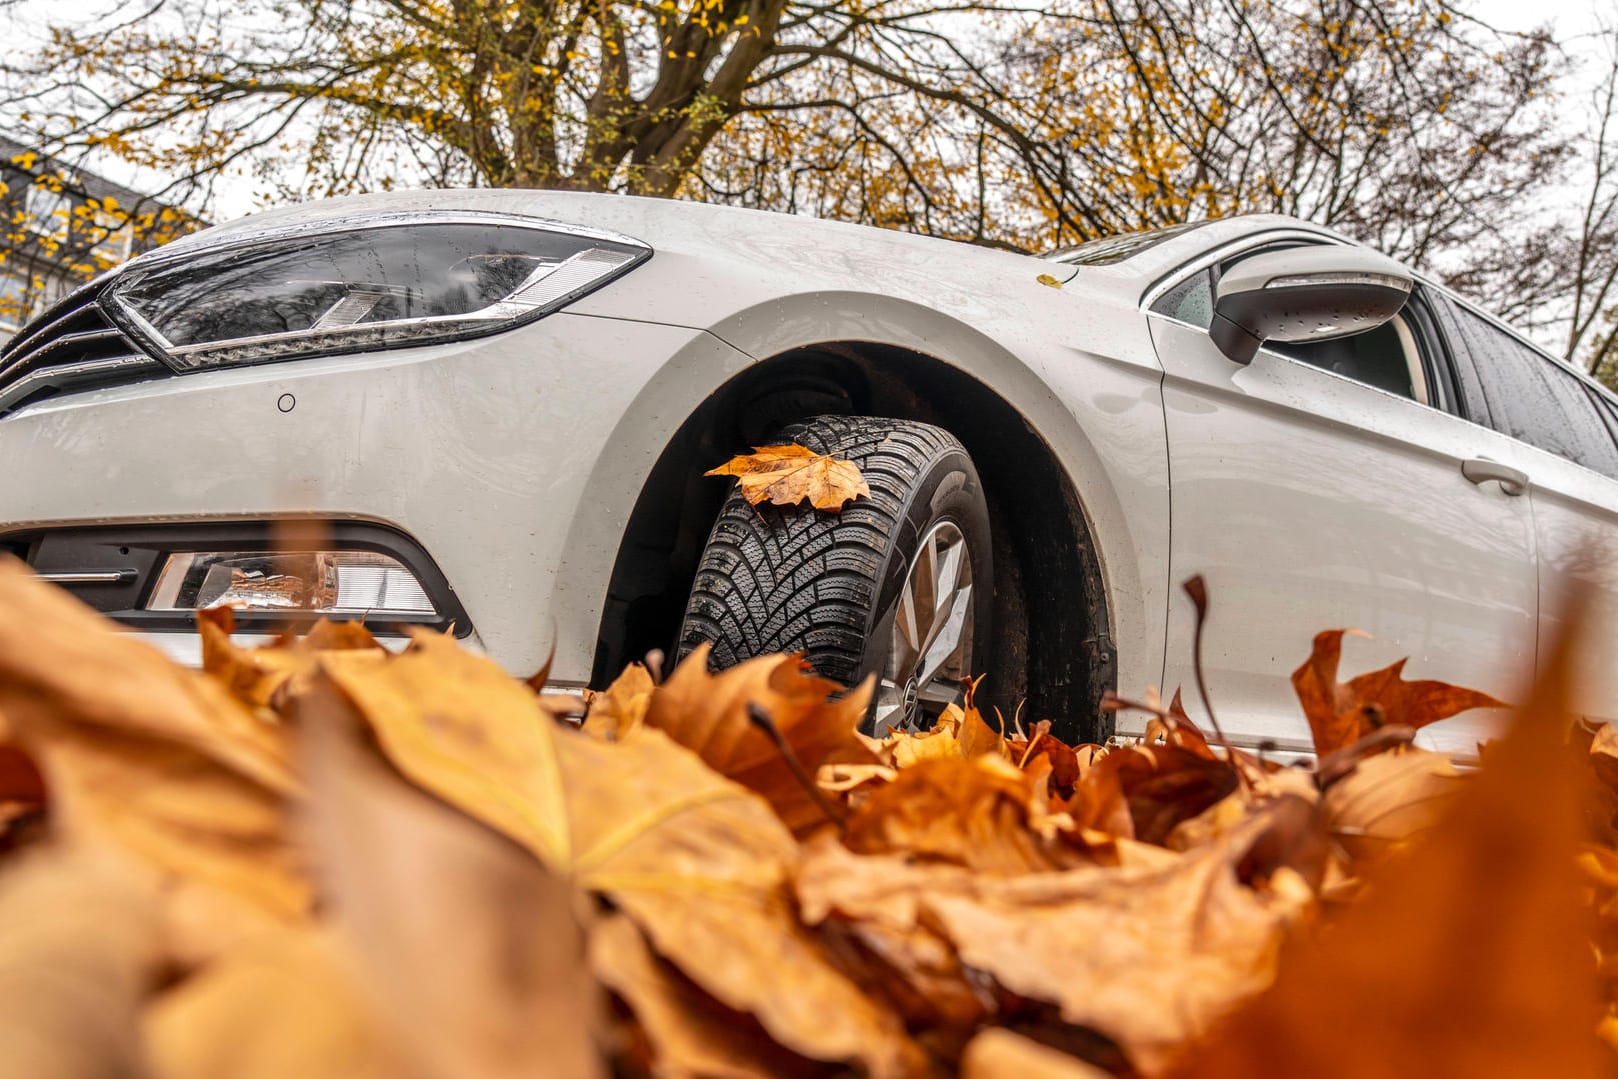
[1305, 294]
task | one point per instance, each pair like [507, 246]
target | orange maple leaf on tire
[787, 475]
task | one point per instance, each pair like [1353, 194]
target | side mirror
[1305, 294]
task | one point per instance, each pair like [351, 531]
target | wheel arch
[1053, 637]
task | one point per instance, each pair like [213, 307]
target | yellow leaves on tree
[790, 474]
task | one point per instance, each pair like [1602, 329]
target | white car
[491, 411]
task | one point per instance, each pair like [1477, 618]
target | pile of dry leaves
[323, 859]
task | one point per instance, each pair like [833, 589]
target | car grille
[70, 347]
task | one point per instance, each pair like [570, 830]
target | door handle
[1482, 470]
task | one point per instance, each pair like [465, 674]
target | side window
[1385, 357]
[1531, 397]
[1607, 407]
[1191, 301]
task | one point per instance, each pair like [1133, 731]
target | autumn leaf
[790, 474]
[1148, 952]
[1390, 799]
[462, 729]
[977, 813]
[620, 709]
[512, 997]
[1467, 956]
[997, 1053]
[1341, 714]
[161, 760]
[79, 949]
[254, 675]
[1145, 791]
[287, 1003]
[959, 732]
[687, 1032]
[20, 780]
[816, 718]
[62, 663]
[698, 862]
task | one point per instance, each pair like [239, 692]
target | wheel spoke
[890, 707]
[906, 633]
[953, 602]
[939, 693]
[931, 635]
[947, 643]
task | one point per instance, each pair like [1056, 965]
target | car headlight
[383, 281]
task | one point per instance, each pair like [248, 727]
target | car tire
[898, 584]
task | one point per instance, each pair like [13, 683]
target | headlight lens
[350, 286]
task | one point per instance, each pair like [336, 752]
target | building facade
[62, 226]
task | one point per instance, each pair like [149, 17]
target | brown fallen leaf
[687, 1033]
[1341, 714]
[512, 996]
[939, 742]
[698, 862]
[1390, 799]
[1062, 764]
[976, 736]
[1145, 791]
[79, 950]
[159, 759]
[1601, 808]
[1147, 953]
[1468, 956]
[62, 662]
[458, 726]
[708, 714]
[254, 675]
[959, 732]
[790, 474]
[289, 1003]
[975, 813]
[998, 1053]
[620, 709]
[20, 780]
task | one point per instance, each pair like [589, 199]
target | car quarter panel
[487, 452]
[1576, 516]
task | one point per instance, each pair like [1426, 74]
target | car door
[1322, 489]
[1571, 462]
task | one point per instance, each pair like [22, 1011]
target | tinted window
[1190, 301]
[1607, 408]
[1532, 398]
[1376, 357]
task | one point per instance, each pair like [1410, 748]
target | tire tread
[794, 579]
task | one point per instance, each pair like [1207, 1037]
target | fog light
[304, 582]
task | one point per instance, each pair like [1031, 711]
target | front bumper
[514, 461]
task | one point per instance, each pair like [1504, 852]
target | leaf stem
[761, 719]
[1197, 589]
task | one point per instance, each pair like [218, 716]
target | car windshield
[1111, 249]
